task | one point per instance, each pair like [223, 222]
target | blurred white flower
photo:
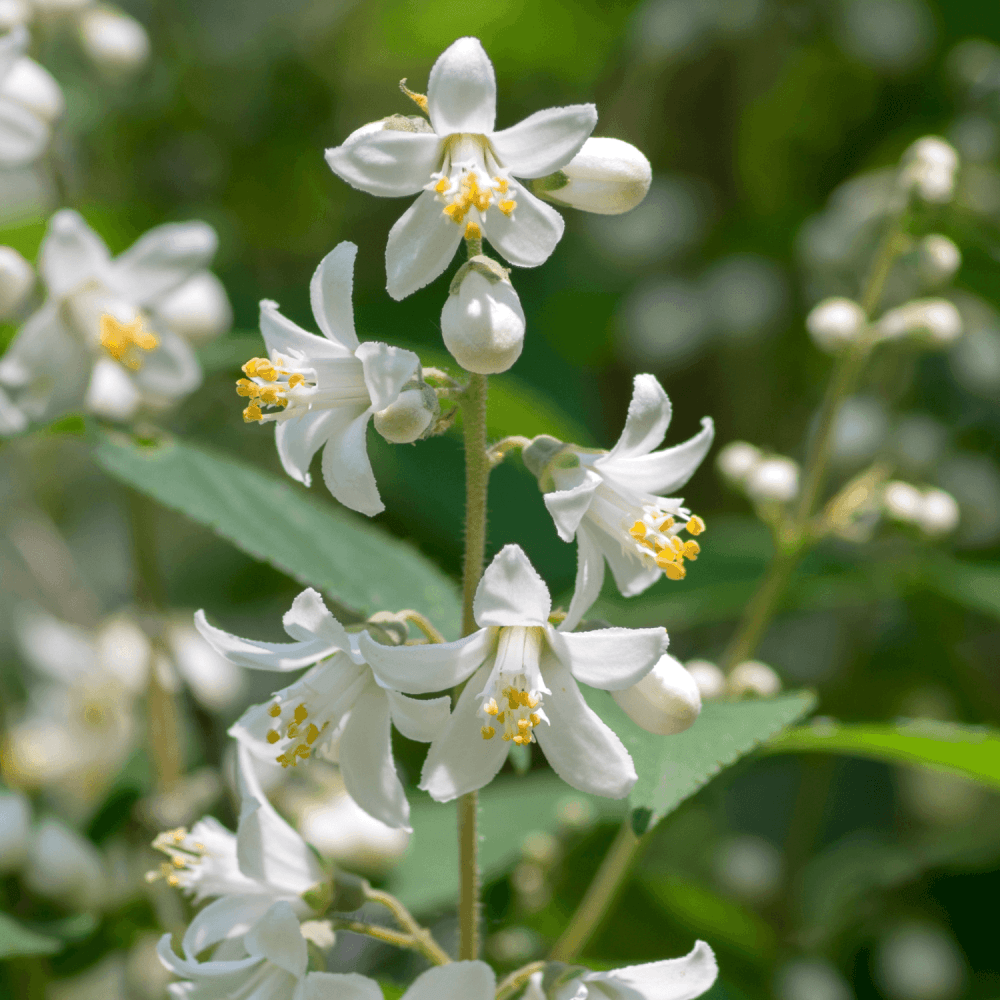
[64, 866]
[939, 798]
[710, 679]
[30, 100]
[749, 867]
[835, 323]
[214, 681]
[919, 961]
[936, 319]
[17, 279]
[607, 176]
[666, 701]
[773, 478]
[939, 514]
[940, 259]
[736, 460]
[198, 309]
[15, 821]
[976, 138]
[811, 979]
[754, 679]
[902, 501]
[929, 168]
[112, 40]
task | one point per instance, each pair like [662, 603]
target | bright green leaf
[353, 560]
[970, 751]
[15, 939]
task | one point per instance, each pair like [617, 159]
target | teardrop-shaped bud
[665, 701]
[607, 177]
[409, 416]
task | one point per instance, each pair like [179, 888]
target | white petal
[387, 370]
[340, 986]
[581, 749]
[13, 45]
[544, 141]
[71, 254]
[647, 420]
[462, 90]
[346, 470]
[589, 579]
[460, 760]
[366, 760]
[198, 310]
[432, 667]
[609, 658]
[276, 937]
[568, 507]
[330, 294]
[299, 438]
[511, 592]
[418, 719]
[228, 917]
[172, 370]
[661, 472]
[112, 393]
[672, 979]
[23, 135]
[263, 655]
[284, 336]
[309, 618]
[631, 577]
[387, 162]
[529, 235]
[12, 420]
[162, 260]
[455, 981]
[421, 245]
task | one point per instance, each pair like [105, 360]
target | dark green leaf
[15, 939]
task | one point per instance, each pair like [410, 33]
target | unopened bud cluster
[929, 169]
[748, 679]
[933, 511]
[763, 478]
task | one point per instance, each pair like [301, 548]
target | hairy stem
[422, 938]
[509, 985]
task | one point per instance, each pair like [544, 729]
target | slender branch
[422, 937]
[422, 622]
[509, 985]
[499, 451]
[377, 931]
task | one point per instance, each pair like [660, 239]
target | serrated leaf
[672, 768]
[354, 561]
[970, 751]
[16, 939]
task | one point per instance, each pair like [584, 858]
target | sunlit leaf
[15, 939]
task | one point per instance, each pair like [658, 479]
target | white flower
[666, 701]
[672, 979]
[327, 388]
[939, 514]
[112, 40]
[835, 323]
[607, 176]
[198, 310]
[99, 340]
[736, 460]
[463, 170]
[940, 259]
[455, 981]
[30, 100]
[773, 478]
[17, 279]
[613, 503]
[929, 168]
[524, 688]
[343, 704]
[902, 501]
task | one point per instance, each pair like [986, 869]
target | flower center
[183, 853]
[298, 729]
[654, 536]
[125, 342]
[472, 179]
[512, 699]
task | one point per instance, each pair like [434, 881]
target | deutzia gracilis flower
[463, 170]
[98, 340]
[326, 389]
[612, 502]
[524, 688]
[344, 705]
[30, 100]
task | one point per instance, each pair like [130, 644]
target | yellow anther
[173, 881]
[500, 716]
[507, 206]
[274, 711]
[520, 740]
[490, 708]
[507, 737]
[638, 530]
[691, 549]
[273, 736]
[284, 760]
[420, 100]
[296, 379]
[455, 211]
[442, 185]
[695, 526]
[472, 231]
[178, 862]
[302, 751]
[525, 699]
[513, 700]
[535, 719]
[666, 557]
[244, 387]
[292, 731]
[675, 571]
[312, 734]
[488, 732]
[120, 339]
[269, 395]
[500, 185]
[523, 724]
[251, 413]
[677, 545]
[301, 714]
[667, 523]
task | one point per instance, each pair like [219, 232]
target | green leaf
[509, 810]
[672, 768]
[16, 939]
[351, 559]
[970, 751]
[972, 585]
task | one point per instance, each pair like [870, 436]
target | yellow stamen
[638, 530]
[488, 732]
[301, 714]
[252, 413]
[500, 185]
[312, 734]
[273, 736]
[691, 549]
[274, 711]
[535, 719]
[420, 100]
[695, 526]
[667, 523]
[472, 231]
[442, 185]
[490, 708]
[121, 340]
[507, 206]
[675, 571]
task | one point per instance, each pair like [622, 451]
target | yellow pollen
[296, 379]
[500, 185]
[490, 708]
[666, 558]
[488, 732]
[121, 340]
[252, 413]
[638, 530]
[442, 185]
[535, 719]
[507, 737]
[507, 206]
[472, 231]
[284, 760]
[274, 711]
[420, 100]
[676, 544]
[273, 736]
[500, 716]
[675, 571]
[691, 550]
[666, 523]
[292, 730]
[301, 714]
[302, 751]
[695, 526]
[455, 211]
[523, 724]
[312, 734]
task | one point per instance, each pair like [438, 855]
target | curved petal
[340, 986]
[468, 980]
[528, 236]
[672, 979]
[309, 618]
[23, 135]
[568, 507]
[544, 141]
[511, 592]
[111, 393]
[228, 917]
[346, 470]
[661, 472]
[589, 579]
[162, 260]
[283, 336]
[71, 254]
[264, 655]
[609, 658]
[462, 90]
[423, 669]
[418, 719]
[421, 245]
[646, 423]
[631, 576]
[330, 294]
[387, 162]
[277, 938]
[299, 438]
[387, 370]
[581, 749]
[171, 370]
[366, 760]
[460, 760]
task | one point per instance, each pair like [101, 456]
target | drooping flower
[463, 170]
[99, 340]
[524, 688]
[324, 390]
[613, 502]
[341, 709]
[30, 100]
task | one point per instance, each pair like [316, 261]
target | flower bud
[113, 41]
[929, 168]
[710, 679]
[939, 514]
[35, 88]
[940, 259]
[15, 818]
[736, 460]
[607, 177]
[482, 322]
[902, 501]
[64, 866]
[665, 701]
[834, 323]
[753, 678]
[775, 478]
[409, 416]
[936, 319]
[17, 279]
[198, 310]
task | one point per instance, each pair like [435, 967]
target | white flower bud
[14, 13]
[113, 41]
[35, 88]
[408, 417]
[64, 866]
[607, 177]
[15, 819]
[736, 460]
[936, 319]
[902, 501]
[665, 701]
[940, 259]
[482, 322]
[710, 679]
[751, 677]
[774, 478]
[17, 279]
[834, 323]
[198, 310]
[929, 168]
[939, 514]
